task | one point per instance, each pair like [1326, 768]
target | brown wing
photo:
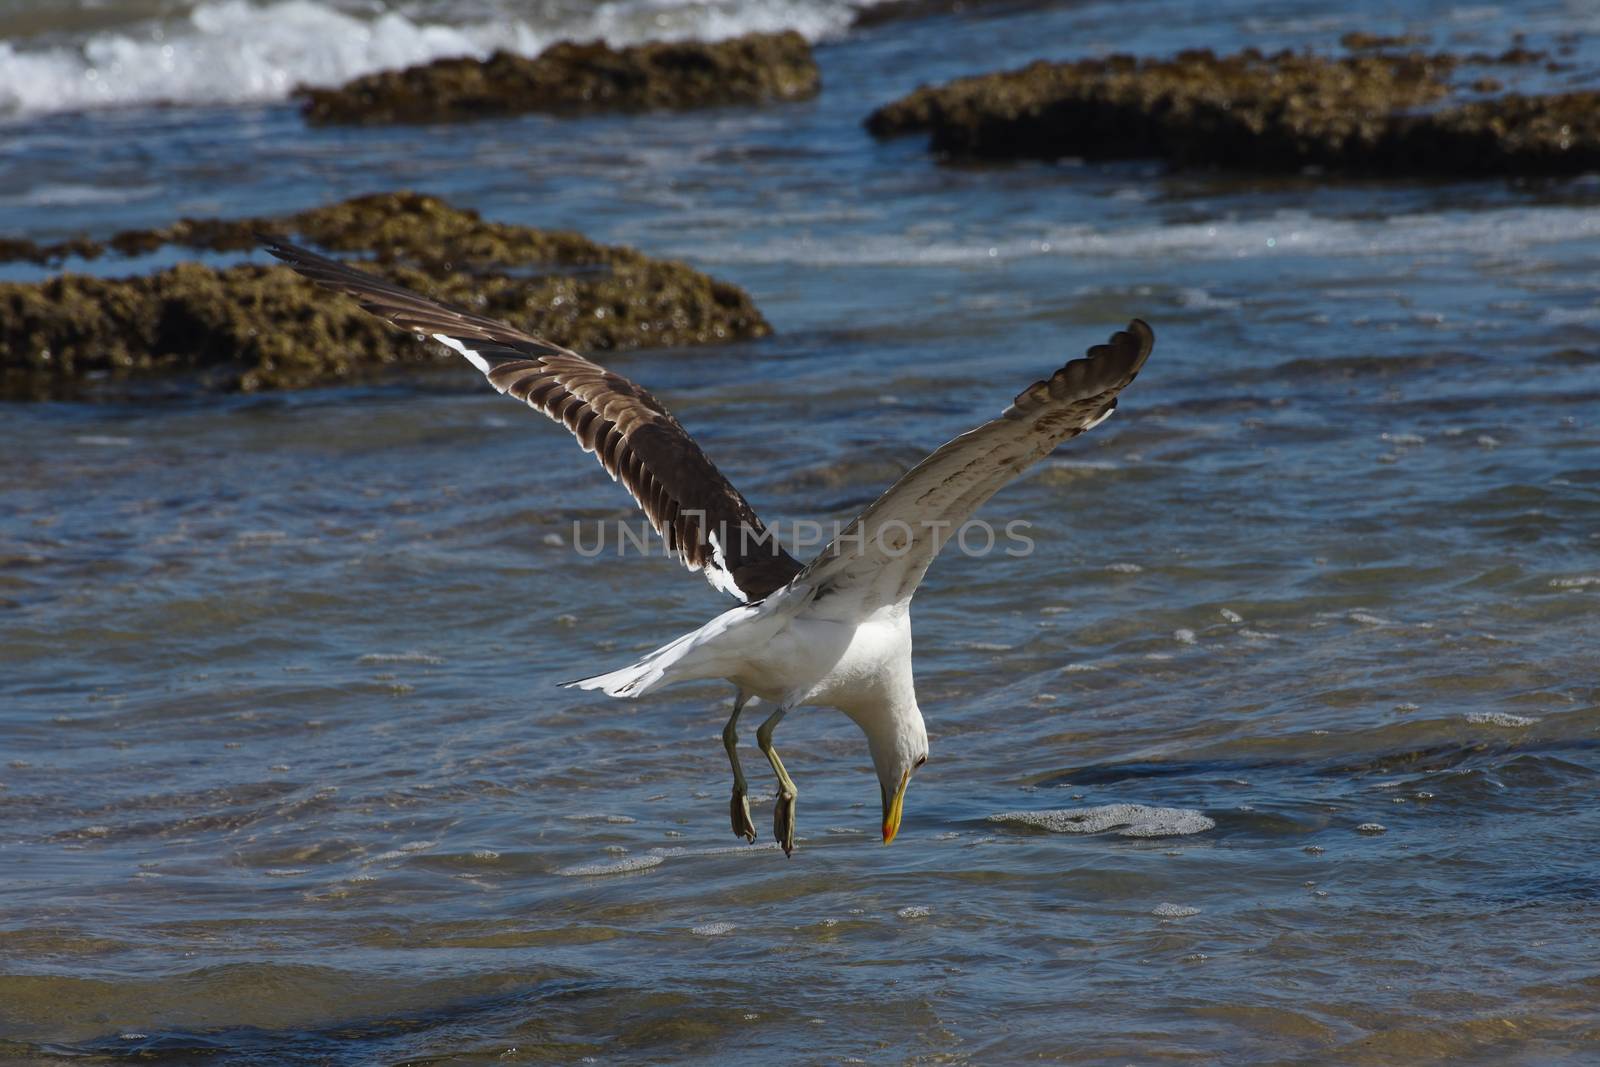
[690, 504]
[880, 558]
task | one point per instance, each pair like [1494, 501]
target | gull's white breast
[834, 663]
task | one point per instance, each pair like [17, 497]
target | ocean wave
[235, 51]
[1284, 235]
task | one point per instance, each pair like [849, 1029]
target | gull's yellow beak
[893, 808]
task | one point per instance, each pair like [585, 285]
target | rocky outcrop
[1380, 114]
[578, 77]
[253, 326]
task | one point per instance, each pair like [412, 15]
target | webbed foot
[739, 810]
[783, 821]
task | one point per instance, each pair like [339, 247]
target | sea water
[285, 775]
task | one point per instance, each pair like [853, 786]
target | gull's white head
[899, 743]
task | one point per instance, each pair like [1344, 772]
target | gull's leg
[739, 807]
[783, 808]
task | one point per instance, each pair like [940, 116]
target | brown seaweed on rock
[1249, 111]
[578, 77]
[250, 326]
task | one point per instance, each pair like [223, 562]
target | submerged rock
[578, 77]
[1367, 113]
[253, 326]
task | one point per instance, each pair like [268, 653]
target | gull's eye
[920, 762]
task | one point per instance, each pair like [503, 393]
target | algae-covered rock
[1553, 134]
[1361, 41]
[253, 326]
[388, 225]
[1366, 113]
[578, 77]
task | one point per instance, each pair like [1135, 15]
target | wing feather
[880, 558]
[635, 438]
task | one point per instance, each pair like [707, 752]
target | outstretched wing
[699, 514]
[880, 558]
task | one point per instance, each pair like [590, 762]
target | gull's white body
[789, 651]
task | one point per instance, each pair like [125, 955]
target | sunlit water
[285, 776]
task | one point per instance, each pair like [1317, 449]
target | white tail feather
[637, 679]
[708, 652]
[628, 682]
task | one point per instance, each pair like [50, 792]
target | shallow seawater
[1280, 747]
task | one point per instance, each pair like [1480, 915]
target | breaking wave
[235, 51]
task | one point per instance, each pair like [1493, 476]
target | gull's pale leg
[739, 807]
[783, 807]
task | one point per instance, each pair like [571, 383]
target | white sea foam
[1129, 820]
[712, 929]
[1499, 718]
[1571, 316]
[1174, 911]
[424, 658]
[623, 866]
[234, 51]
[1202, 300]
[1577, 582]
[1284, 234]
[713, 850]
[75, 194]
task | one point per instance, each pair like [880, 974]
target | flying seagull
[834, 632]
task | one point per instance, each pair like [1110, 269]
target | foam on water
[622, 866]
[423, 658]
[714, 850]
[1129, 820]
[75, 194]
[234, 51]
[1499, 718]
[1293, 234]
[657, 856]
[1174, 911]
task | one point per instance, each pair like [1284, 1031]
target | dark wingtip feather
[1145, 338]
[1104, 368]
